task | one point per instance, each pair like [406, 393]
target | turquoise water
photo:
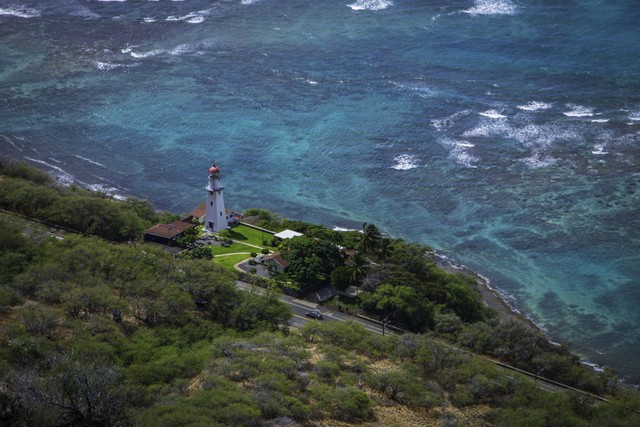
[504, 133]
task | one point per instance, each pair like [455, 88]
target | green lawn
[245, 234]
[229, 261]
[236, 247]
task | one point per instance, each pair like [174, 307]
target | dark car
[314, 315]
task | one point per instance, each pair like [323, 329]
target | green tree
[256, 312]
[341, 277]
[357, 267]
[370, 240]
[211, 287]
[309, 258]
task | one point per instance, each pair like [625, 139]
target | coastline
[490, 296]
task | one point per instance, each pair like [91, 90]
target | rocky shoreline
[490, 296]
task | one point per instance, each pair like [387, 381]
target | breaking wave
[459, 151]
[492, 114]
[370, 4]
[535, 106]
[405, 162]
[492, 7]
[20, 12]
[578, 111]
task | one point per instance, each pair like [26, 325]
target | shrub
[39, 320]
[349, 403]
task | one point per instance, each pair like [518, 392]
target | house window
[220, 213]
[211, 203]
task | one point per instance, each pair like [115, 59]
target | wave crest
[370, 4]
[535, 106]
[405, 162]
[578, 111]
[20, 12]
[459, 151]
[492, 7]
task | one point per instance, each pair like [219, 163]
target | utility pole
[537, 373]
[385, 322]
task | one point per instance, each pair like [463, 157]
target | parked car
[314, 315]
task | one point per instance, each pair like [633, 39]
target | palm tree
[357, 268]
[370, 240]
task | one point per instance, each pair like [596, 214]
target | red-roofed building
[166, 234]
[276, 261]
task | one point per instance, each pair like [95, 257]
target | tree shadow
[237, 236]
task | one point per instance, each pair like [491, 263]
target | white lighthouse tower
[215, 218]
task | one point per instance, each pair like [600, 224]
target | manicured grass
[229, 261]
[245, 234]
[236, 247]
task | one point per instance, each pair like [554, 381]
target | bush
[349, 403]
[40, 320]
[253, 254]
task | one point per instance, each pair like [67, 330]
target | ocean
[503, 133]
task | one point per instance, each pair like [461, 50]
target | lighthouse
[215, 217]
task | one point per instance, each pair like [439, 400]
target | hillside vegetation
[94, 333]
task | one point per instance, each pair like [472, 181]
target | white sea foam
[578, 111]
[465, 144]
[488, 128]
[459, 151]
[117, 1]
[421, 89]
[147, 54]
[338, 228]
[184, 48]
[492, 7]
[598, 149]
[89, 160]
[248, 2]
[635, 116]
[61, 175]
[149, 20]
[531, 135]
[104, 189]
[6, 138]
[191, 18]
[20, 11]
[405, 162]
[492, 114]
[107, 66]
[592, 365]
[449, 121]
[536, 161]
[599, 120]
[370, 4]
[535, 106]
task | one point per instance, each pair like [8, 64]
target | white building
[216, 216]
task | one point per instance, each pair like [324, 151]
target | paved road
[300, 307]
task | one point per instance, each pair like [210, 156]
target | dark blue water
[505, 133]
